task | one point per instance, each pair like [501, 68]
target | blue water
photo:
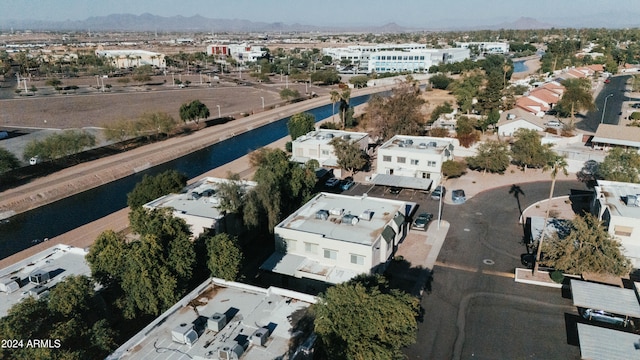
[519, 66]
[25, 229]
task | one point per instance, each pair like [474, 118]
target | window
[386, 158]
[330, 254]
[357, 259]
[431, 163]
[622, 230]
[291, 245]
[402, 160]
[414, 162]
[325, 152]
[311, 248]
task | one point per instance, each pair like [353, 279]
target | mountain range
[178, 23]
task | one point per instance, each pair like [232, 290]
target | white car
[554, 123]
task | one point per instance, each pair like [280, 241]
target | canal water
[29, 228]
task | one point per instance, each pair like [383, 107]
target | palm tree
[344, 105]
[335, 97]
[556, 163]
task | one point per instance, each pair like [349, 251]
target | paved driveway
[475, 308]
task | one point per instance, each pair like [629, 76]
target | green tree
[453, 169]
[194, 111]
[224, 256]
[120, 130]
[587, 248]
[466, 132]
[365, 319]
[440, 81]
[282, 187]
[59, 145]
[620, 165]
[335, 97]
[8, 161]
[325, 77]
[300, 124]
[72, 297]
[445, 108]
[152, 187]
[492, 156]
[289, 94]
[345, 97]
[350, 155]
[576, 97]
[157, 123]
[55, 82]
[528, 151]
[106, 258]
[359, 81]
[398, 113]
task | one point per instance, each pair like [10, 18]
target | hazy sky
[326, 12]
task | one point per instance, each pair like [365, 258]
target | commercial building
[333, 238]
[37, 274]
[132, 58]
[412, 161]
[617, 204]
[240, 52]
[385, 58]
[225, 320]
[316, 145]
[198, 204]
[486, 47]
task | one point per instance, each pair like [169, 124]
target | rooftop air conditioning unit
[422, 146]
[511, 116]
[260, 336]
[366, 215]
[322, 214]
[39, 277]
[216, 322]
[184, 334]
[346, 137]
[633, 200]
[230, 351]
[408, 142]
[350, 219]
[328, 136]
[336, 211]
[433, 144]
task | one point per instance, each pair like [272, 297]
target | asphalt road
[615, 94]
[475, 309]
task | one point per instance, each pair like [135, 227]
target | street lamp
[219, 115]
[604, 108]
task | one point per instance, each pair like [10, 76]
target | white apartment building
[333, 238]
[132, 58]
[198, 204]
[486, 47]
[412, 161]
[316, 145]
[618, 205]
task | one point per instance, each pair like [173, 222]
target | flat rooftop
[616, 198]
[246, 308]
[364, 231]
[198, 199]
[418, 144]
[324, 136]
[59, 261]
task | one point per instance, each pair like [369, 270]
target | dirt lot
[96, 108]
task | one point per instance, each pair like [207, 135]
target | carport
[606, 298]
[404, 182]
[598, 343]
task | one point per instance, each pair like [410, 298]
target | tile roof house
[532, 106]
[515, 119]
[608, 136]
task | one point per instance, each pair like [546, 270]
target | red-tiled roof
[545, 95]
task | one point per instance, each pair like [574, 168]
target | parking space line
[475, 270]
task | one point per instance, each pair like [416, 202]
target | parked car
[421, 222]
[603, 316]
[347, 183]
[458, 196]
[606, 81]
[554, 123]
[333, 182]
[395, 190]
[438, 191]
[636, 106]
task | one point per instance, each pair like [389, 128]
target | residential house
[412, 161]
[608, 136]
[617, 204]
[333, 238]
[198, 204]
[516, 119]
[316, 145]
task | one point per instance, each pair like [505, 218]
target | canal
[29, 228]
